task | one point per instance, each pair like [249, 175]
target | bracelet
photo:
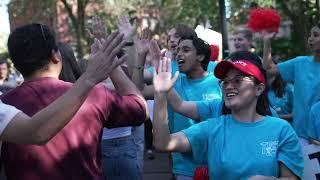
[129, 43]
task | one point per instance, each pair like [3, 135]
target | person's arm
[267, 62]
[186, 108]
[146, 50]
[129, 31]
[163, 140]
[41, 127]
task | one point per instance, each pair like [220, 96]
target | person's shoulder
[298, 59]
[220, 120]
[277, 122]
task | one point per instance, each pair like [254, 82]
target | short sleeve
[7, 112]
[209, 109]
[129, 110]
[289, 151]
[198, 139]
[287, 69]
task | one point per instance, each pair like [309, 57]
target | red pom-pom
[264, 19]
[201, 173]
[214, 52]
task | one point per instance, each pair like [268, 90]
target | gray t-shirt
[7, 112]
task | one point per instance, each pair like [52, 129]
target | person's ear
[56, 57]
[200, 57]
[260, 88]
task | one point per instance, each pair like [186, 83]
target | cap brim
[222, 69]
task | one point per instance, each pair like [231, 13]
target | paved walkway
[158, 168]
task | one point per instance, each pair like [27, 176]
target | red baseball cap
[244, 66]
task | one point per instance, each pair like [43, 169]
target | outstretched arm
[163, 140]
[147, 50]
[41, 127]
[268, 64]
[186, 108]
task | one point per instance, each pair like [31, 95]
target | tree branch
[74, 20]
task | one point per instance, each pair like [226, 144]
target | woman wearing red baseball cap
[245, 142]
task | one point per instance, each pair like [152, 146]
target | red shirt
[74, 153]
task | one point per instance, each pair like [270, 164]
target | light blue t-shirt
[206, 88]
[175, 68]
[303, 72]
[314, 122]
[213, 109]
[237, 150]
[282, 105]
[209, 109]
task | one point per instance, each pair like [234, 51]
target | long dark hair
[278, 86]
[71, 70]
[263, 107]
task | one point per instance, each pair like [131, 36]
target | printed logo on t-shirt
[269, 148]
[209, 97]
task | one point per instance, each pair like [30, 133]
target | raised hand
[126, 28]
[98, 28]
[143, 42]
[155, 54]
[103, 60]
[162, 81]
[266, 35]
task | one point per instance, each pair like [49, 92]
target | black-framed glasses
[235, 81]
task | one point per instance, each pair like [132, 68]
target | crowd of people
[245, 117]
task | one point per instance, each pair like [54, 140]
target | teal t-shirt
[237, 150]
[209, 109]
[206, 88]
[303, 72]
[213, 109]
[282, 105]
[175, 68]
[314, 122]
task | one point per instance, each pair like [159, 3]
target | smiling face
[187, 57]
[240, 91]
[314, 40]
[241, 43]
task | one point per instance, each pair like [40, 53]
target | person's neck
[2, 81]
[246, 115]
[317, 57]
[42, 74]
[197, 74]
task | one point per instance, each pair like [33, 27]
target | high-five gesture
[126, 28]
[155, 54]
[162, 81]
[98, 28]
[103, 60]
[143, 42]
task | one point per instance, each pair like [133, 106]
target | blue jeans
[138, 135]
[119, 159]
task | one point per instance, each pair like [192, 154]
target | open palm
[162, 81]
